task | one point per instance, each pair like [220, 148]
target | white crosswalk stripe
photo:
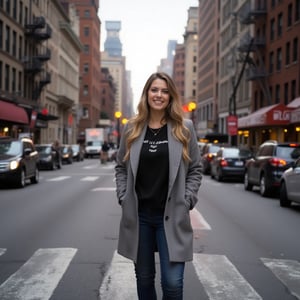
[89, 178]
[59, 178]
[221, 279]
[2, 251]
[39, 276]
[119, 281]
[287, 271]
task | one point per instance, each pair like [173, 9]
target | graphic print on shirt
[154, 144]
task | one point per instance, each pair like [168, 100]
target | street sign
[232, 124]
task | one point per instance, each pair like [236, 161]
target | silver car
[289, 185]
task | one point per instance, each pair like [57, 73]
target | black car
[267, 166]
[18, 161]
[48, 157]
[208, 152]
[229, 162]
[67, 154]
[78, 153]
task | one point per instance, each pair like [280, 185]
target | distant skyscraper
[113, 45]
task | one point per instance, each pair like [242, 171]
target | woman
[158, 176]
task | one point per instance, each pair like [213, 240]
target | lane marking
[119, 282]
[59, 178]
[89, 178]
[2, 251]
[221, 280]
[39, 276]
[104, 189]
[197, 220]
[287, 271]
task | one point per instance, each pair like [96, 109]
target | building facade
[34, 36]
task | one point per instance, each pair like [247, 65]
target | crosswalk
[38, 278]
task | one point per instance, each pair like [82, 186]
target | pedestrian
[104, 152]
[158, 175]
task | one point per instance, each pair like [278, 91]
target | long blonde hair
[173, 114]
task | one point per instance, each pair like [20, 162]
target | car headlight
[48, 158]
[13, 165]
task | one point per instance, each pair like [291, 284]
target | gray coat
[184, 182]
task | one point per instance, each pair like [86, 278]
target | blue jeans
[152, 235]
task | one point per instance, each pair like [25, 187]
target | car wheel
[21, 179]
[263, 189]
[219, 175]
[36, 177]
[247, 186]
[283, 198]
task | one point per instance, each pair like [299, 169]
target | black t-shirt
[153, 171]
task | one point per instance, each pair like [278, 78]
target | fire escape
[37, 31]
[254, 66]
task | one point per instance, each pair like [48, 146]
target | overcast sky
[146, 28]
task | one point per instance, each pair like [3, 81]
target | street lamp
[191, 108]
[118, 115]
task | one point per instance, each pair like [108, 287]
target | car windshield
[94, 143]
[75, 147]
[43, 149]
[231, 152]
[10, 147]
[214, 149]
[288, 152]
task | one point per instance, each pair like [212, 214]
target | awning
[295, 116]
[273, 115]
[295, 103]
[13, 113]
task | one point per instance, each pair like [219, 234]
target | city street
[58, 240]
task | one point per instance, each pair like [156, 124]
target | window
[279, 59]
[85, 90]
[290, 15]
[279, 25]
[272, 30]
[286, 93]
[14, 44]
[7, 39]
[277, 93]
[86, 49]
[7, 7]
[6, 79]
[14, 79]
[287, 53]
[1, 65]
[86, 31]
[271, 62]
[295, 50]
[297, 10]
[21, 13]
[86, 68]
[87, 13]
[20, 46]
[15, 9]
[1, 34]
[293, 89]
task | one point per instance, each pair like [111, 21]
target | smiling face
[158, 95]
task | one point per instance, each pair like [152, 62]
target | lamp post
[118, 115]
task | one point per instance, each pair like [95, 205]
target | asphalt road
[58, 240]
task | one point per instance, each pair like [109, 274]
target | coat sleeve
[121, 168]
[194, 172]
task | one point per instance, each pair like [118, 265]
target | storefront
[295, 119]
[13, 119]
[268, 123]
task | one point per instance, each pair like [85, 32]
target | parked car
[208, 152]
[78, 153]
[47, 157]
[290, 185]
[267, 166]
[229, 162]
[18, 161]
[67, 154]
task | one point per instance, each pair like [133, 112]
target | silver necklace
[155, 133]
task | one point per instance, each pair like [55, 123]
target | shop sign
[232, 125]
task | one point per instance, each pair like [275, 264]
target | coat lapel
[135, 152]
[175, 154]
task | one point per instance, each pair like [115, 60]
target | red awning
[11, 112]
[274, 115]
